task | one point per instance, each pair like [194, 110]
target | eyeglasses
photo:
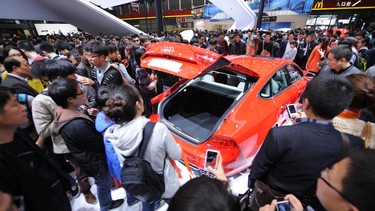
[136, 40]
[335, 189]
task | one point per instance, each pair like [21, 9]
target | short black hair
[212, 42]
[5, 94]
[341, 51]
[202, 194]
[47, 47]
[359, 184]
[38, 68]
[112, 47]
[61, 90]
[9, 62]
[329, 95]
[59, 68]
[62, 45]
[10, 47]
[97, 48]
[311, 35]
[25, 45]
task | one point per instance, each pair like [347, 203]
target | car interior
[281, 80]
[196, 108]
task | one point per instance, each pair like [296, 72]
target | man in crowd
[18, 73]
[309, 45]
[43, 115]
[202, 41]
[266, 46]
[347, 186]
[84, 66]
[291, 157]
[25, 170]
[28, 48]
[238, 46]
[338, 62]
[48, 50]
[285, 45]
[81, 137]
[102, 73]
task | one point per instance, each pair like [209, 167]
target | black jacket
[111, 76]
[84, 142]
[292, 157]
[19, 86]
[43, 188]
[267, 46]
[237, 48]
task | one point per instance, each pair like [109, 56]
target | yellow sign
[318, 5]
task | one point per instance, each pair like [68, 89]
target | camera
[292, 110]
[212, 157]
[283, 206]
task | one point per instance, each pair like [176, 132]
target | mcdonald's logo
[318, 5]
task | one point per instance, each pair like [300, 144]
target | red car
[226, 103]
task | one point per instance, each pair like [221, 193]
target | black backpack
[137, 176]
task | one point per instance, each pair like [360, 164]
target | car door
[284, 87]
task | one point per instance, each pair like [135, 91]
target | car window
[294, 73]
[277, 83]
[230, 80]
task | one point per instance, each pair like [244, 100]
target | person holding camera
[291, 157]
[347, 185]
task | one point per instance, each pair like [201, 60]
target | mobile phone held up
[292, 110]
[212, 158]
[283, 206]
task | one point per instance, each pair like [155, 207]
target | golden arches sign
[318, 5]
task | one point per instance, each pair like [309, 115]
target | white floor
[79, 204]
[238, 185]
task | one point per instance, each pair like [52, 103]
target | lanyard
[300, 120]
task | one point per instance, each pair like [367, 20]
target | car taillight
[222, 142]
[228, 148]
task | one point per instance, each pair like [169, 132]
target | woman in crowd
[315, 56]
[252, 47]
[348, 121]
[147, 81]
[125, 107]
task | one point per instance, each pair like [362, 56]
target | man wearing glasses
[292, 157]
[102, 73]
[81, 137]
[348, 185]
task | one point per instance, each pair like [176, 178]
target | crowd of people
[84, 100]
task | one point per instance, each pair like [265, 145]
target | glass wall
[341, 19]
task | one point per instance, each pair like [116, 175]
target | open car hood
[185, 61]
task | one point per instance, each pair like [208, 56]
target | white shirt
[291, 54]
[286, 49]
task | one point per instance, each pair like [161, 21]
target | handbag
[366, 134]
[262, 195]
[265, 52]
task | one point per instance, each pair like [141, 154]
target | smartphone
[212, 157]
[292, 110]
[283, 206]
